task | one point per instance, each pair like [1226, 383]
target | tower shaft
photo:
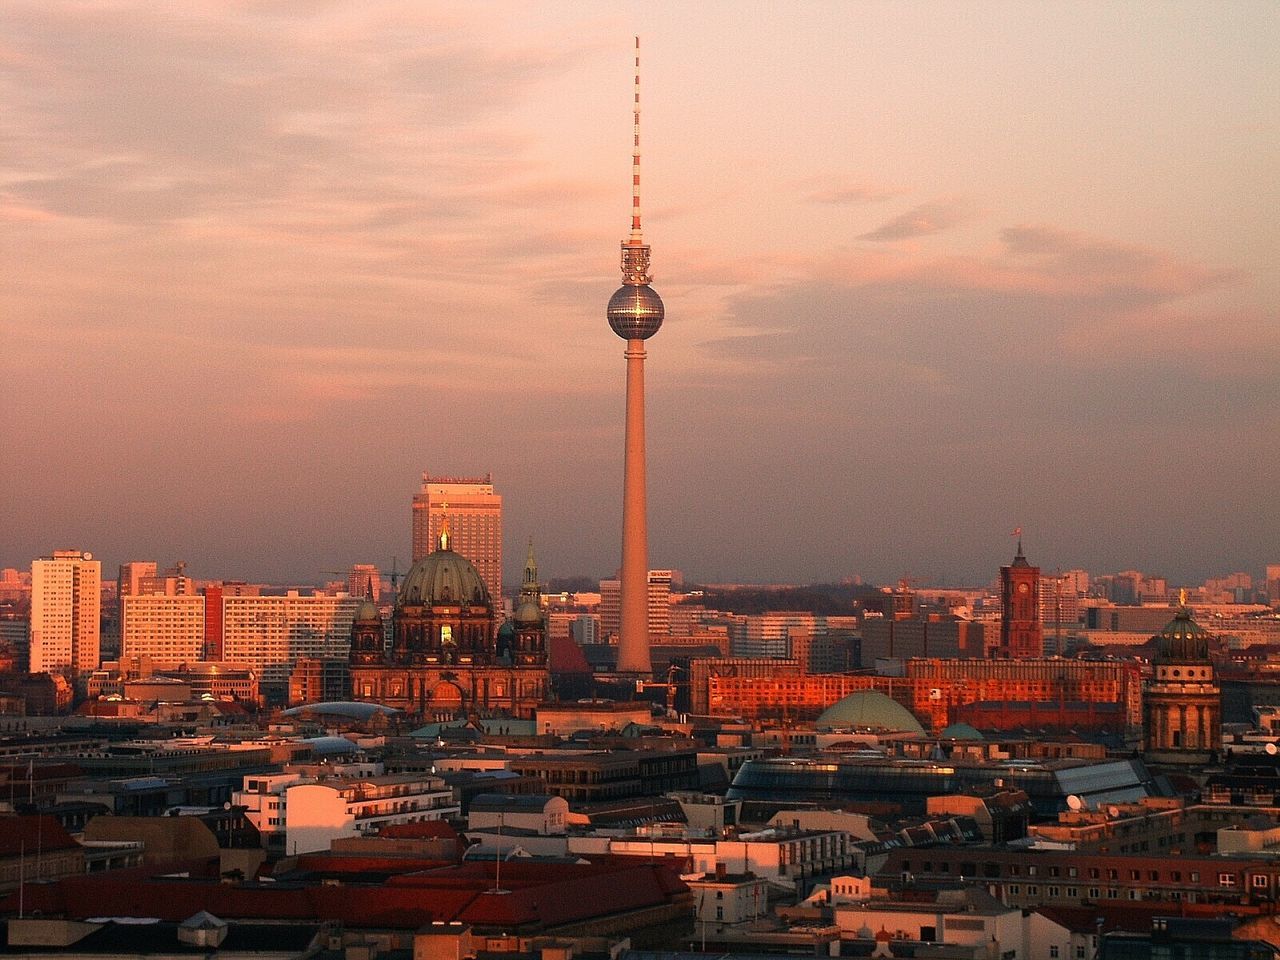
[633, 639]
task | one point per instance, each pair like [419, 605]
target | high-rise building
[365, 580]
[66, 606]
[1021, 633]
[474, 511]
[635, 313]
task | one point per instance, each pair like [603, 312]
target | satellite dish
[1074, 802]
[1272, 749]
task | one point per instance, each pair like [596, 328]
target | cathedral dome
[635, 312]
[1182, 639]
[528, 614]
[442, 578]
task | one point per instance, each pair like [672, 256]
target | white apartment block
[271, 634]
[317, 813]
[166, 628]
[66, 602]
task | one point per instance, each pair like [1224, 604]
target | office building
[474, 512]
[66, 601]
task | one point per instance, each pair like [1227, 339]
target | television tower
[635, 313]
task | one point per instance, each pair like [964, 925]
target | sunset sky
[932, 271]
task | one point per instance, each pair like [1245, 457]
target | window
[1226, 879]
[1195, 877]
[1260, 880]
[1053, 950]
[1094, 893]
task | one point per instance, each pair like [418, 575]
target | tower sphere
[635, 312]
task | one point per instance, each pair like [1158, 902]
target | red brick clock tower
[1021, 634]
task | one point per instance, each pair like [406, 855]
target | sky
[932, 271]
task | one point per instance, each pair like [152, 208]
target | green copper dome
[870, 709]
[443, 578]
[1182, 639]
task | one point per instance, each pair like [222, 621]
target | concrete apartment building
[166, 628]
[66, 612]
[271, 634]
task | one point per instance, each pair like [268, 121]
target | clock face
[1023, 588]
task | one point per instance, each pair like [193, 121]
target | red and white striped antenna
[635, 158]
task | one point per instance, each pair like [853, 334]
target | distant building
[659, 607]
[66, 603]
[363, 580]
[474, 513]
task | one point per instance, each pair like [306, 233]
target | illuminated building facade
[935, 690]
[66, 605]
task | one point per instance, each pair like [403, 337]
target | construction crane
[670, 686]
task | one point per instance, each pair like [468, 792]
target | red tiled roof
[1133, 919]
[565, 656]
[422, 830]
[541, 895]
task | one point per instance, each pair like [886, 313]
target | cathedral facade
[447, 659]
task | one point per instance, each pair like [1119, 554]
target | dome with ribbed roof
[868, 709]
[443, 578]
[1182, 639]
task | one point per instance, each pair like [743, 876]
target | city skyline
[931, 273]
